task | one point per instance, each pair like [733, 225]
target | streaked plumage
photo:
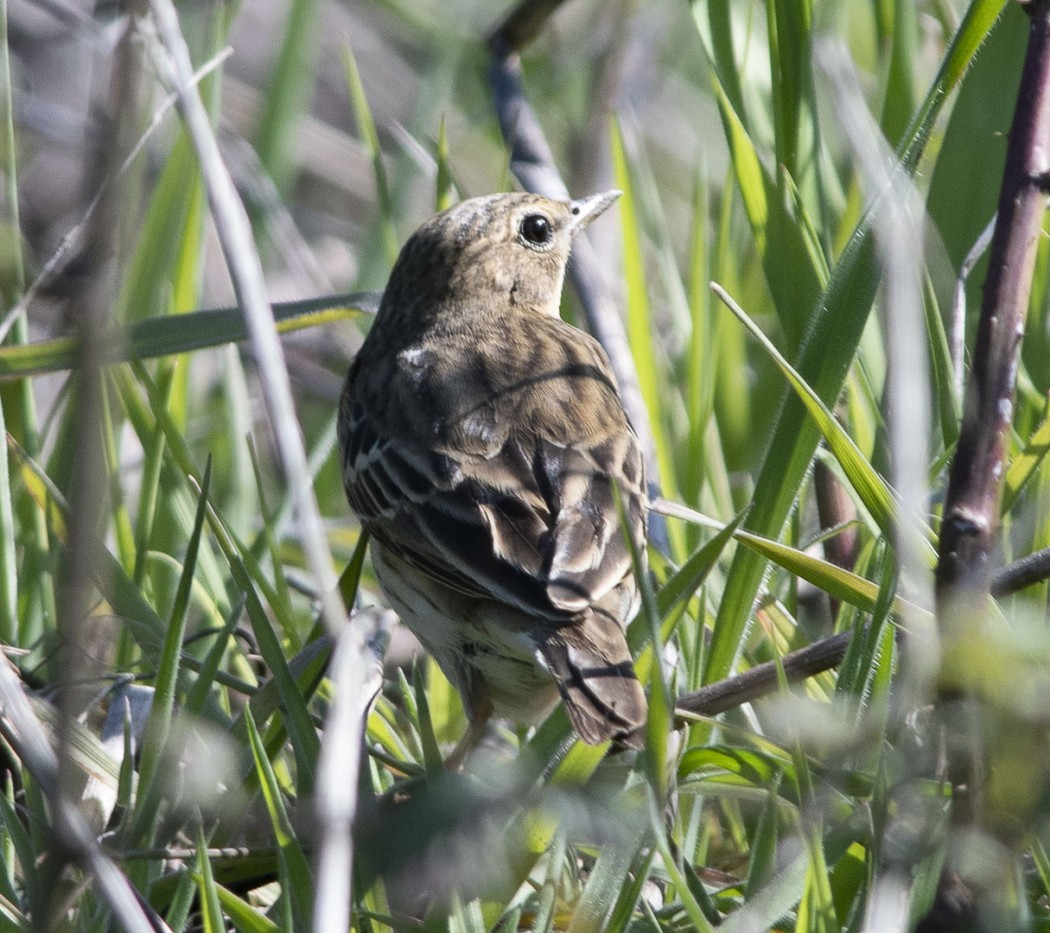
[483, 443]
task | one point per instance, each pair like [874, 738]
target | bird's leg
[479, 712]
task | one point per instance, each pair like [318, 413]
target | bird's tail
[597, 682]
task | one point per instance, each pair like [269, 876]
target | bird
[486, 451]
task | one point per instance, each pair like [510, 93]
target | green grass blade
[691, 575]
[11, 257]
[603, 886]
[833, 580]
[943, 388]
[901, 95]
[773, 901]
[833, 336]
[790, 266]
[10, 220]
[466, 918]
[661, 706]
[7, 845]
[761, 863]
[296, 878]
[694, 911]
[700, 368]
[211, 912]
[244, 917]
[367, 128]
[19, 407]
[19, 843]
[8, 537]
[147, 417]
[350, 578]
[874, 492]
[974, 29]
[432, 760]
[816, 911]
[631, 893]
[287, 98]
[674, 597]
[249, 579]
[182, 333]
[301, 730]
[444, 185]
[789, 23]
[108, 574]
[148, 501]
[639, 316]
[1026, 464]
[714, 22]
[159, 723]
[278, 593]
[163, 235]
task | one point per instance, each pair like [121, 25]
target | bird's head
[504, 250]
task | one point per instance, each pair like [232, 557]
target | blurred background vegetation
[173, 652]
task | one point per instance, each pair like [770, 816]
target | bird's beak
[586, 209]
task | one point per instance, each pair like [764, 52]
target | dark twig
[971, 511]
[762, 678]
[835, 509]
[1021, 573]
[524, 24]
[970, 525]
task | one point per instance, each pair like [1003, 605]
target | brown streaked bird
[484, 445]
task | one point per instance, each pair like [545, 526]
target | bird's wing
[495, 505]
[393, 485]
[592, 485]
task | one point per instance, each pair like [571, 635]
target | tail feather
[601, 691]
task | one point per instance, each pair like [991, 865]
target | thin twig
[762, 679]
[1035, 568]
[190, 853]
[835, 509]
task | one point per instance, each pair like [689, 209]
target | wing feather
[507, 495]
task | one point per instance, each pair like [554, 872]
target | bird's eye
[536, 229]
